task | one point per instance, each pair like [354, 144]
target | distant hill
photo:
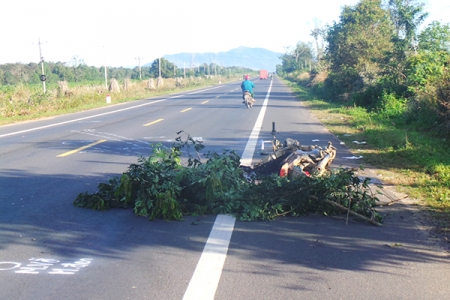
[253, 58]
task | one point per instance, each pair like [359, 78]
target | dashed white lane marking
[205, 280]
[247, 156]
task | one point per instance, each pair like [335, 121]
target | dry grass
[24, 103]
[424, 181]
[320, 77]
[303, 76]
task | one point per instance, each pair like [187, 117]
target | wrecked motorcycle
[292, 159]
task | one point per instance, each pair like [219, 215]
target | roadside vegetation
[26, 102]
[80, 87]
[383, 88]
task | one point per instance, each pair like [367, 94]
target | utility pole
[104, 65]
[140, 71]
[106, 78]
[159, 67]
[42, 77]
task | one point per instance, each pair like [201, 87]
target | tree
[428, 76]
[18, 72]
[435, 37]
[297, 58]
[287, 63]
[60, 70]
[357, 45]
[93, 74]
[76, 62]
[166, 68]
[303, 54]
[319, 35]
[8, 78]
[406, 15]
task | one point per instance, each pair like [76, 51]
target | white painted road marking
[80, 119]
[94, 116]
[205, 280]
[46, 266]
[247, 156]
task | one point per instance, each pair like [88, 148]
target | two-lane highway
[50, 249]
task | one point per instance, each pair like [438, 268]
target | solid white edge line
[204, 282]
[80, 119]
[247, 156]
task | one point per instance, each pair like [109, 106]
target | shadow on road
[47, 221]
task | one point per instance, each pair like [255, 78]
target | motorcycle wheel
[247, 102]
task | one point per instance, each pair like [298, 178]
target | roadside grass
[417, 163]
[27, 102]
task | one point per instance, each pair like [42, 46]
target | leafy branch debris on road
[160, 186]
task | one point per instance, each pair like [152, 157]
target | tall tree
[319, 36]
[166, 68]
[435, 37]
[356, 46]
[407, 16]
[297, 58]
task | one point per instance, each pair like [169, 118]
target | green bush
[392, 106]
[160, 187]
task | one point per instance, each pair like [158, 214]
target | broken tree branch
[353, 213]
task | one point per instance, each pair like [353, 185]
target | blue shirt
[247, 85]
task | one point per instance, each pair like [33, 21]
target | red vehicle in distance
[263, 74]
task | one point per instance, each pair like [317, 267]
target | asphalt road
[50, 249]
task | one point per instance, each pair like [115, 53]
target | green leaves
[160, 187]
[151, 187]
[435, 37]
[425, 68]
[356, 46]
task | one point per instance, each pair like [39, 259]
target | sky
[125, 33]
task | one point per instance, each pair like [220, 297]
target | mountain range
[253, 58]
